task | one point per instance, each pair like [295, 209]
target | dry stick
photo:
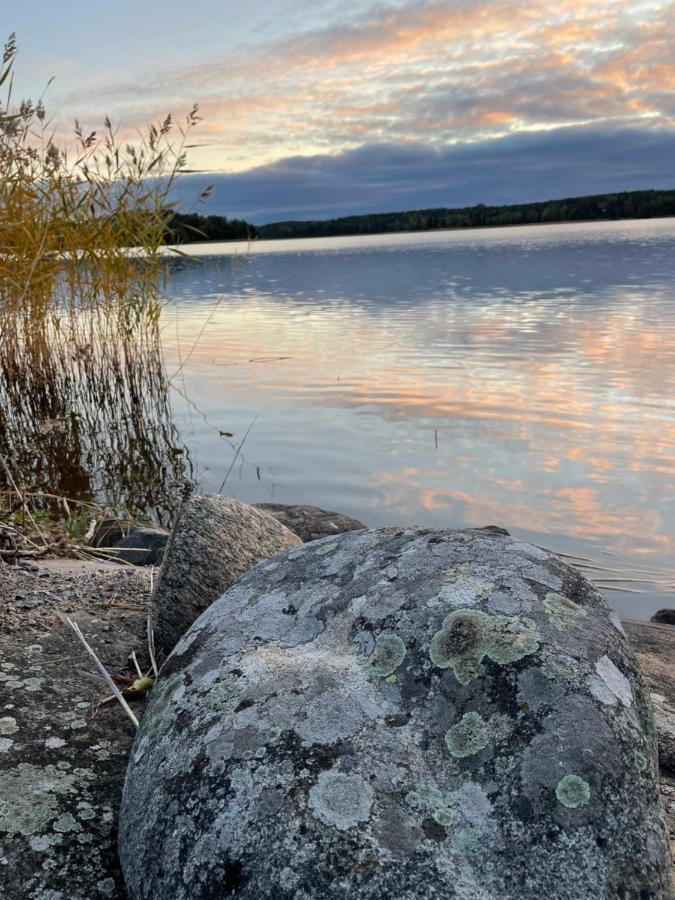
[33, 554]
[106, 677]
[151, 647]
[135, 662]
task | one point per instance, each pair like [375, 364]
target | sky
[318, 108]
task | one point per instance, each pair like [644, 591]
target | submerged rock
[309, 522]
[399, 713]
[214, 541]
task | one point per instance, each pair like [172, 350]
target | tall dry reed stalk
[84, 405]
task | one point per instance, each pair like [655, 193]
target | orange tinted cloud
[438, 71]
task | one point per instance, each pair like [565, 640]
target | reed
[84, 397]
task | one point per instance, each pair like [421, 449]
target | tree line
[650, 204]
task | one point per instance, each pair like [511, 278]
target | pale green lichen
[561, 611]
[387, 656]
[468, 737]
[432, 801]
[8, 725]
[573, 792]
[469, 635]
[29, 796]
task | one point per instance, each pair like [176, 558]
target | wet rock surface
[309, 522]
[61, 766]
[213, 543]
[410, 713]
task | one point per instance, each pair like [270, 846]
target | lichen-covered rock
[399, 713]
[309, 522]
[61, 765]
[214, 541]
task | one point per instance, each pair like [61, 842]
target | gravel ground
[33, 597]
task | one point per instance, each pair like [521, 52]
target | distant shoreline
[626, 206]
[272, 240]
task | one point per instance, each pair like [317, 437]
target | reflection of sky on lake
[521, 377]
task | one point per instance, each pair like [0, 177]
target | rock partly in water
[399, 713]
[214, 541]
[309, 522]
[655, 649]
[664, 617]
[143, 546]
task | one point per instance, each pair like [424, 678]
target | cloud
[430, 71]
[383, 177]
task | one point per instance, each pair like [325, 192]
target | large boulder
[213, 542]
[309, 522]
[399, 713]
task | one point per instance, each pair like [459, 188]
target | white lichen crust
[407, 713]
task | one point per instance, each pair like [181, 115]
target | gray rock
[143, 546]
[214, 541]
[61, 766]
[309, 522]
[655, 649]
[664, 617]
[399, 713]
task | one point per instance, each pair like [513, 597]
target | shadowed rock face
[309, 522]
[399, 713]
[214, 541]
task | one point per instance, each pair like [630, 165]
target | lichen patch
[387, 656]
[573, 792]
[468, 636]
[468, 737]
[342, 801]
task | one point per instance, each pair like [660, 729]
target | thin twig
[135, 662]
[13, 484]
[151, 647]
[227, 474]
[106, 677]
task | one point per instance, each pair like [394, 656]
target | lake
[517, 376]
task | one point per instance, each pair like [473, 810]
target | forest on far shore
[187, 228]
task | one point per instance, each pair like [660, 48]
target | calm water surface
[519, 376]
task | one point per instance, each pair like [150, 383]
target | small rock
[309, 522]
[28, 565]
[143, 546]
[664, 617]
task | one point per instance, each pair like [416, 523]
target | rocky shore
[63, 756]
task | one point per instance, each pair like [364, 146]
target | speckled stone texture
[214, 541]
[61, 767]
[399, 714]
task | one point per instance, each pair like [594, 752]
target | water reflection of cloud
[552, 416]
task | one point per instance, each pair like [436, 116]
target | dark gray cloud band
[524, 167]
